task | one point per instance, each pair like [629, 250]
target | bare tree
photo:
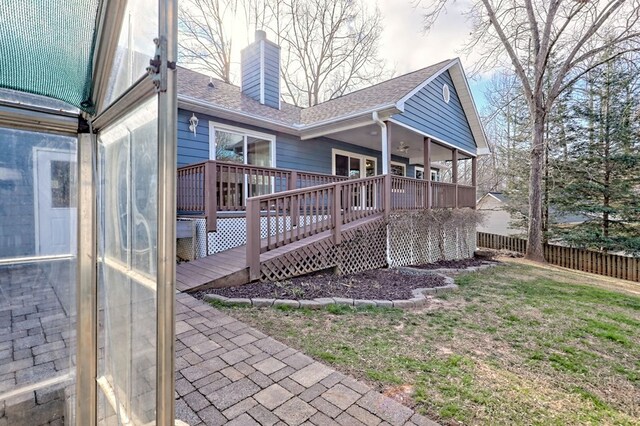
[328, 47]
[205, 36]
[549, 45]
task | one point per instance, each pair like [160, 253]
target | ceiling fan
[403, 147]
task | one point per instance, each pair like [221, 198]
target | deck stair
[229, 267]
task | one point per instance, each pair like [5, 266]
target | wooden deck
[229, 268]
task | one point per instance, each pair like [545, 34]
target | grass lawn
[517, 344]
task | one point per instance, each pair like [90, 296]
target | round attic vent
[445, 93]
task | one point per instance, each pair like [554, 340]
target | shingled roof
[196, 86]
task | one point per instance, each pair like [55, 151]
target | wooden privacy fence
[610, 265]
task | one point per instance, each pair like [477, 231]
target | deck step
[229, 268]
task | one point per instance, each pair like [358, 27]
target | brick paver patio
[230, 373]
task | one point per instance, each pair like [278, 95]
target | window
[446, 95]
[235, 145]
[353, 165]
[435, 174]
[398, 169]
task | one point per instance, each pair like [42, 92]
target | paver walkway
[230, 373]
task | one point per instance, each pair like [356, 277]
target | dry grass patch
[517, 344]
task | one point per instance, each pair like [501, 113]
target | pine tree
[598, 176]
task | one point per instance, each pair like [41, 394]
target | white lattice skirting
[232, 232]
[416, 238]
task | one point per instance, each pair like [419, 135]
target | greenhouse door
[133, 151]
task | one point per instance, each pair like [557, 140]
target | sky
[407, 48]
[403, 43]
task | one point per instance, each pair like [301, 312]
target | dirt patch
[379, 284]
[453, 264]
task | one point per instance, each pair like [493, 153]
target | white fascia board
[305, 132]
[484, 151]
[207, 108]
[464, 91]
[384, 111]
[433, 138]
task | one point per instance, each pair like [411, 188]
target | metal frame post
[167, 163]
[86, 285]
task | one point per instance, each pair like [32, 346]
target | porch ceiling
[368, 136]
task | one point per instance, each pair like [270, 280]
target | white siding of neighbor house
[496, 218]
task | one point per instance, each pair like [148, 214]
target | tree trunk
[534, 245]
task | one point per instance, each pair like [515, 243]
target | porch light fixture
[193, 123]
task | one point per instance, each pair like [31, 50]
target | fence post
[336, 213]
[253, 238]
[209, 185]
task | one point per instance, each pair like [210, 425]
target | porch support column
[454, 173]
[386, 166]
[386, 148]
[474, 176]
[427, 171]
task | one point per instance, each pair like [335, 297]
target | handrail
[289, 216]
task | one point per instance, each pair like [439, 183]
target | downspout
[386, 158]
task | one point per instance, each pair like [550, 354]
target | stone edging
[419, 299]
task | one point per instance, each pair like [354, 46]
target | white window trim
[421, 169]
[404, 167]
[363, 158]
[213, 126]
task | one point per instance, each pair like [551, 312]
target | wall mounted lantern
[193, 123]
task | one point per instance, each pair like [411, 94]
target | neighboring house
[497, 219]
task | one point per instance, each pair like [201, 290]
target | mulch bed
[452, 264]
[379, 284]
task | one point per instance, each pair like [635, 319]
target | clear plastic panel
[37, 276]
[127, 206]
[135, 47]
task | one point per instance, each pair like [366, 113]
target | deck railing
[212, 186]
[443, 195]
[408, 193]
[292, 215]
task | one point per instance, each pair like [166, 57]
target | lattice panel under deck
[361, 249]
[415, 238]
[184, 246]
[232, 231]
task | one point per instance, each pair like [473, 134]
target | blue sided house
[262, 178]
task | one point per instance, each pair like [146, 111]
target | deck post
[253, 239]
[387, 195]
[454, 174]
[209, 185]
[427, 172]
[295, 201]
[336, 213]
[474, 176]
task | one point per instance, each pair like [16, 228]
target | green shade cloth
[46, 48]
